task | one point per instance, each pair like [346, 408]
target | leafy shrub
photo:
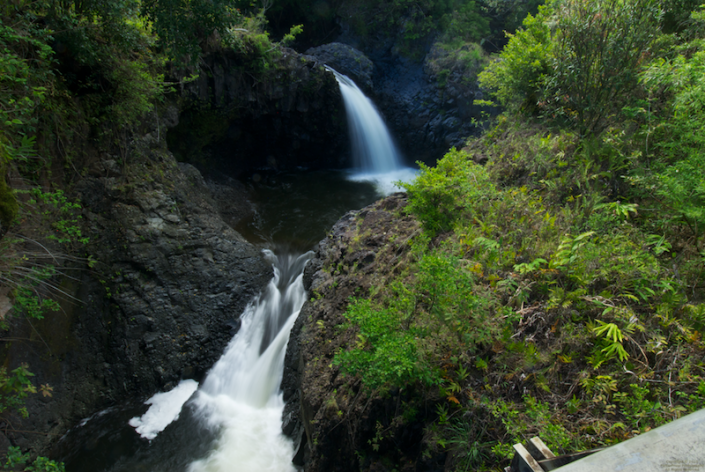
[676, 177]
[464, 24]
[458, 58]
[386, 352]
[25, 78]
[516, 76]
[439, 192]
[577, 61]
[403, 337]
[180, 24]
[15, 459]
[598, 47]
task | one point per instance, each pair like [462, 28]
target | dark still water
[295, 210]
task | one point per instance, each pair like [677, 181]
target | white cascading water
[241, 394]
[372, 146]
[375, 155]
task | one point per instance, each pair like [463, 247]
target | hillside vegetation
[557, 287]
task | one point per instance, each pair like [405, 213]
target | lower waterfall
[241, 395]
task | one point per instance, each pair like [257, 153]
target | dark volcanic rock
[237, 119]
[346, 60]
[177, 271]
[167, 282]
[425, 118]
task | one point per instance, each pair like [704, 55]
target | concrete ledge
[678, 446]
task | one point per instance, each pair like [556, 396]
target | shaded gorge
[233, 421]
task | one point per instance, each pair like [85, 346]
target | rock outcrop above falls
[239, 116]
[348, 61]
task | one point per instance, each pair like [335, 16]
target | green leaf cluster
[16, 459]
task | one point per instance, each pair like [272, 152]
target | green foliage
[598, 47]
[416, 23]
[136, 91]
[532, 418]
[62, 214]
[291, 35]
[25, 78]
[117, 70]
[676, 177]
[14, 388]
[576, 61]
[8, 203]
[638, 409]
[457, 58]
[464, 24]
[438, 192]
[254, 45]
[30, 300]
[16, 459]
[465, 441]
[516, 76]
[402, 338]
[386, 352]
[55, 223]
[181, 24]
[613, 336]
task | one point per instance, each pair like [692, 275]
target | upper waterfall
[372, 146]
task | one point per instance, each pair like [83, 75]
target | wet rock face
[178, 273]
[348, 61]
[236, 120]
[167, 283]
[331, 416]
[426, 119]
